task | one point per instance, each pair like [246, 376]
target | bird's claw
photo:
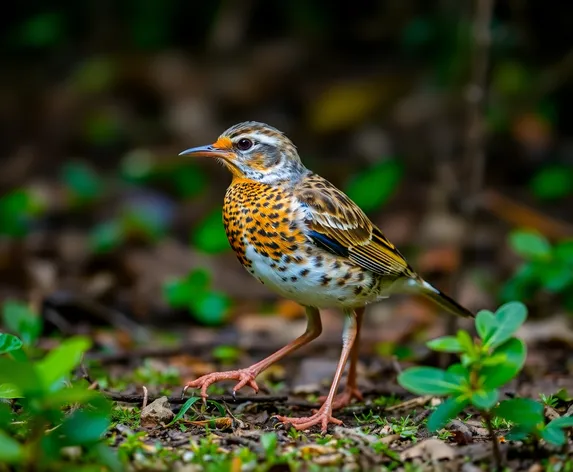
[322, 417]
[245, 377]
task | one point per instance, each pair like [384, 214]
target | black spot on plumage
[304, 272]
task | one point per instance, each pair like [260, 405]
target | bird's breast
[261, 218]
[265, 228]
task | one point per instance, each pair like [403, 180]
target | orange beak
[222, 148]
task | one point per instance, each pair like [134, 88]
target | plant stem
[496, 452]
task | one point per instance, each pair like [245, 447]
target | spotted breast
[266, 228]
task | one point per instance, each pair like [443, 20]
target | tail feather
[421, 287]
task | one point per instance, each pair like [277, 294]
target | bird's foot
[322, 417]
[246, 377]
[345, 398]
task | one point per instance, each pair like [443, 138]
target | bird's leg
[247, 376]
[350, 391]
[324, 415]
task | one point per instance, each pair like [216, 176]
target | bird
[309, 242]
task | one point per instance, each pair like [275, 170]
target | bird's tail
[421, 287]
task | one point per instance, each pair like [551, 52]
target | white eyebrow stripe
[260, 137]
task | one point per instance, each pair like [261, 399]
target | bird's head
[254, 151]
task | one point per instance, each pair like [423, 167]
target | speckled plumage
[306, 240]
[269, 228]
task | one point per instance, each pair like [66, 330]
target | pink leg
[350, 391]
[324, 415]
[247, 376]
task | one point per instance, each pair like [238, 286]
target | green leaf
[520, 432]
[9, 391]
[498, 375]
[105, 237]
[562, 422]
[485, 323]
[530, 245]
[523, 284]
[555, 436]
[189, 180]
[553, 182]
[176, 293]
[556, 276]
[210, 236]
[445, 412]
[445, 344]
[61, 361]
[225, 353]
[69, 396]
[269, 441]
[210, 308]
[21, 376]
[86, 426]
[9, 342]
[19, 318]
[466, 341]
[520, 411]
[42, 30]
[11, 451]
[184, 409]
[82, 182]
[563, 251]
[373, 187]
[429, 381]
[485, 399]
[199, 280]
[509, 318]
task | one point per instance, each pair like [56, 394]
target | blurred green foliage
[49, 412]
[371, 188]
[546, 267]
[553, 182]
[83, 184]
[18, 210]
[195, 294]
[22, 320]
[210, 236]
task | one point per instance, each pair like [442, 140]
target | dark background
[97, 99]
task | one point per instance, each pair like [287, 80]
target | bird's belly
[325, 282]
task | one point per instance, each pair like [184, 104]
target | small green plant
[486, 364]
[194, 293]
[52, 414]
[546, 267]
[527, 417]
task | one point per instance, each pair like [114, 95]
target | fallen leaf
[217, 423]
[431, 449]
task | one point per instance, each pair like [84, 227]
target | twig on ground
[496, 451]
[176, 399]
[145, 398]
[518, 214]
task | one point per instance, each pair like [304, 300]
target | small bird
[305, 239]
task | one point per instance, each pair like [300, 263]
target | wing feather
[337, 224]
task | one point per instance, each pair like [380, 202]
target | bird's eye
[244, 144]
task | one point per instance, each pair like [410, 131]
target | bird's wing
[337, 224]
